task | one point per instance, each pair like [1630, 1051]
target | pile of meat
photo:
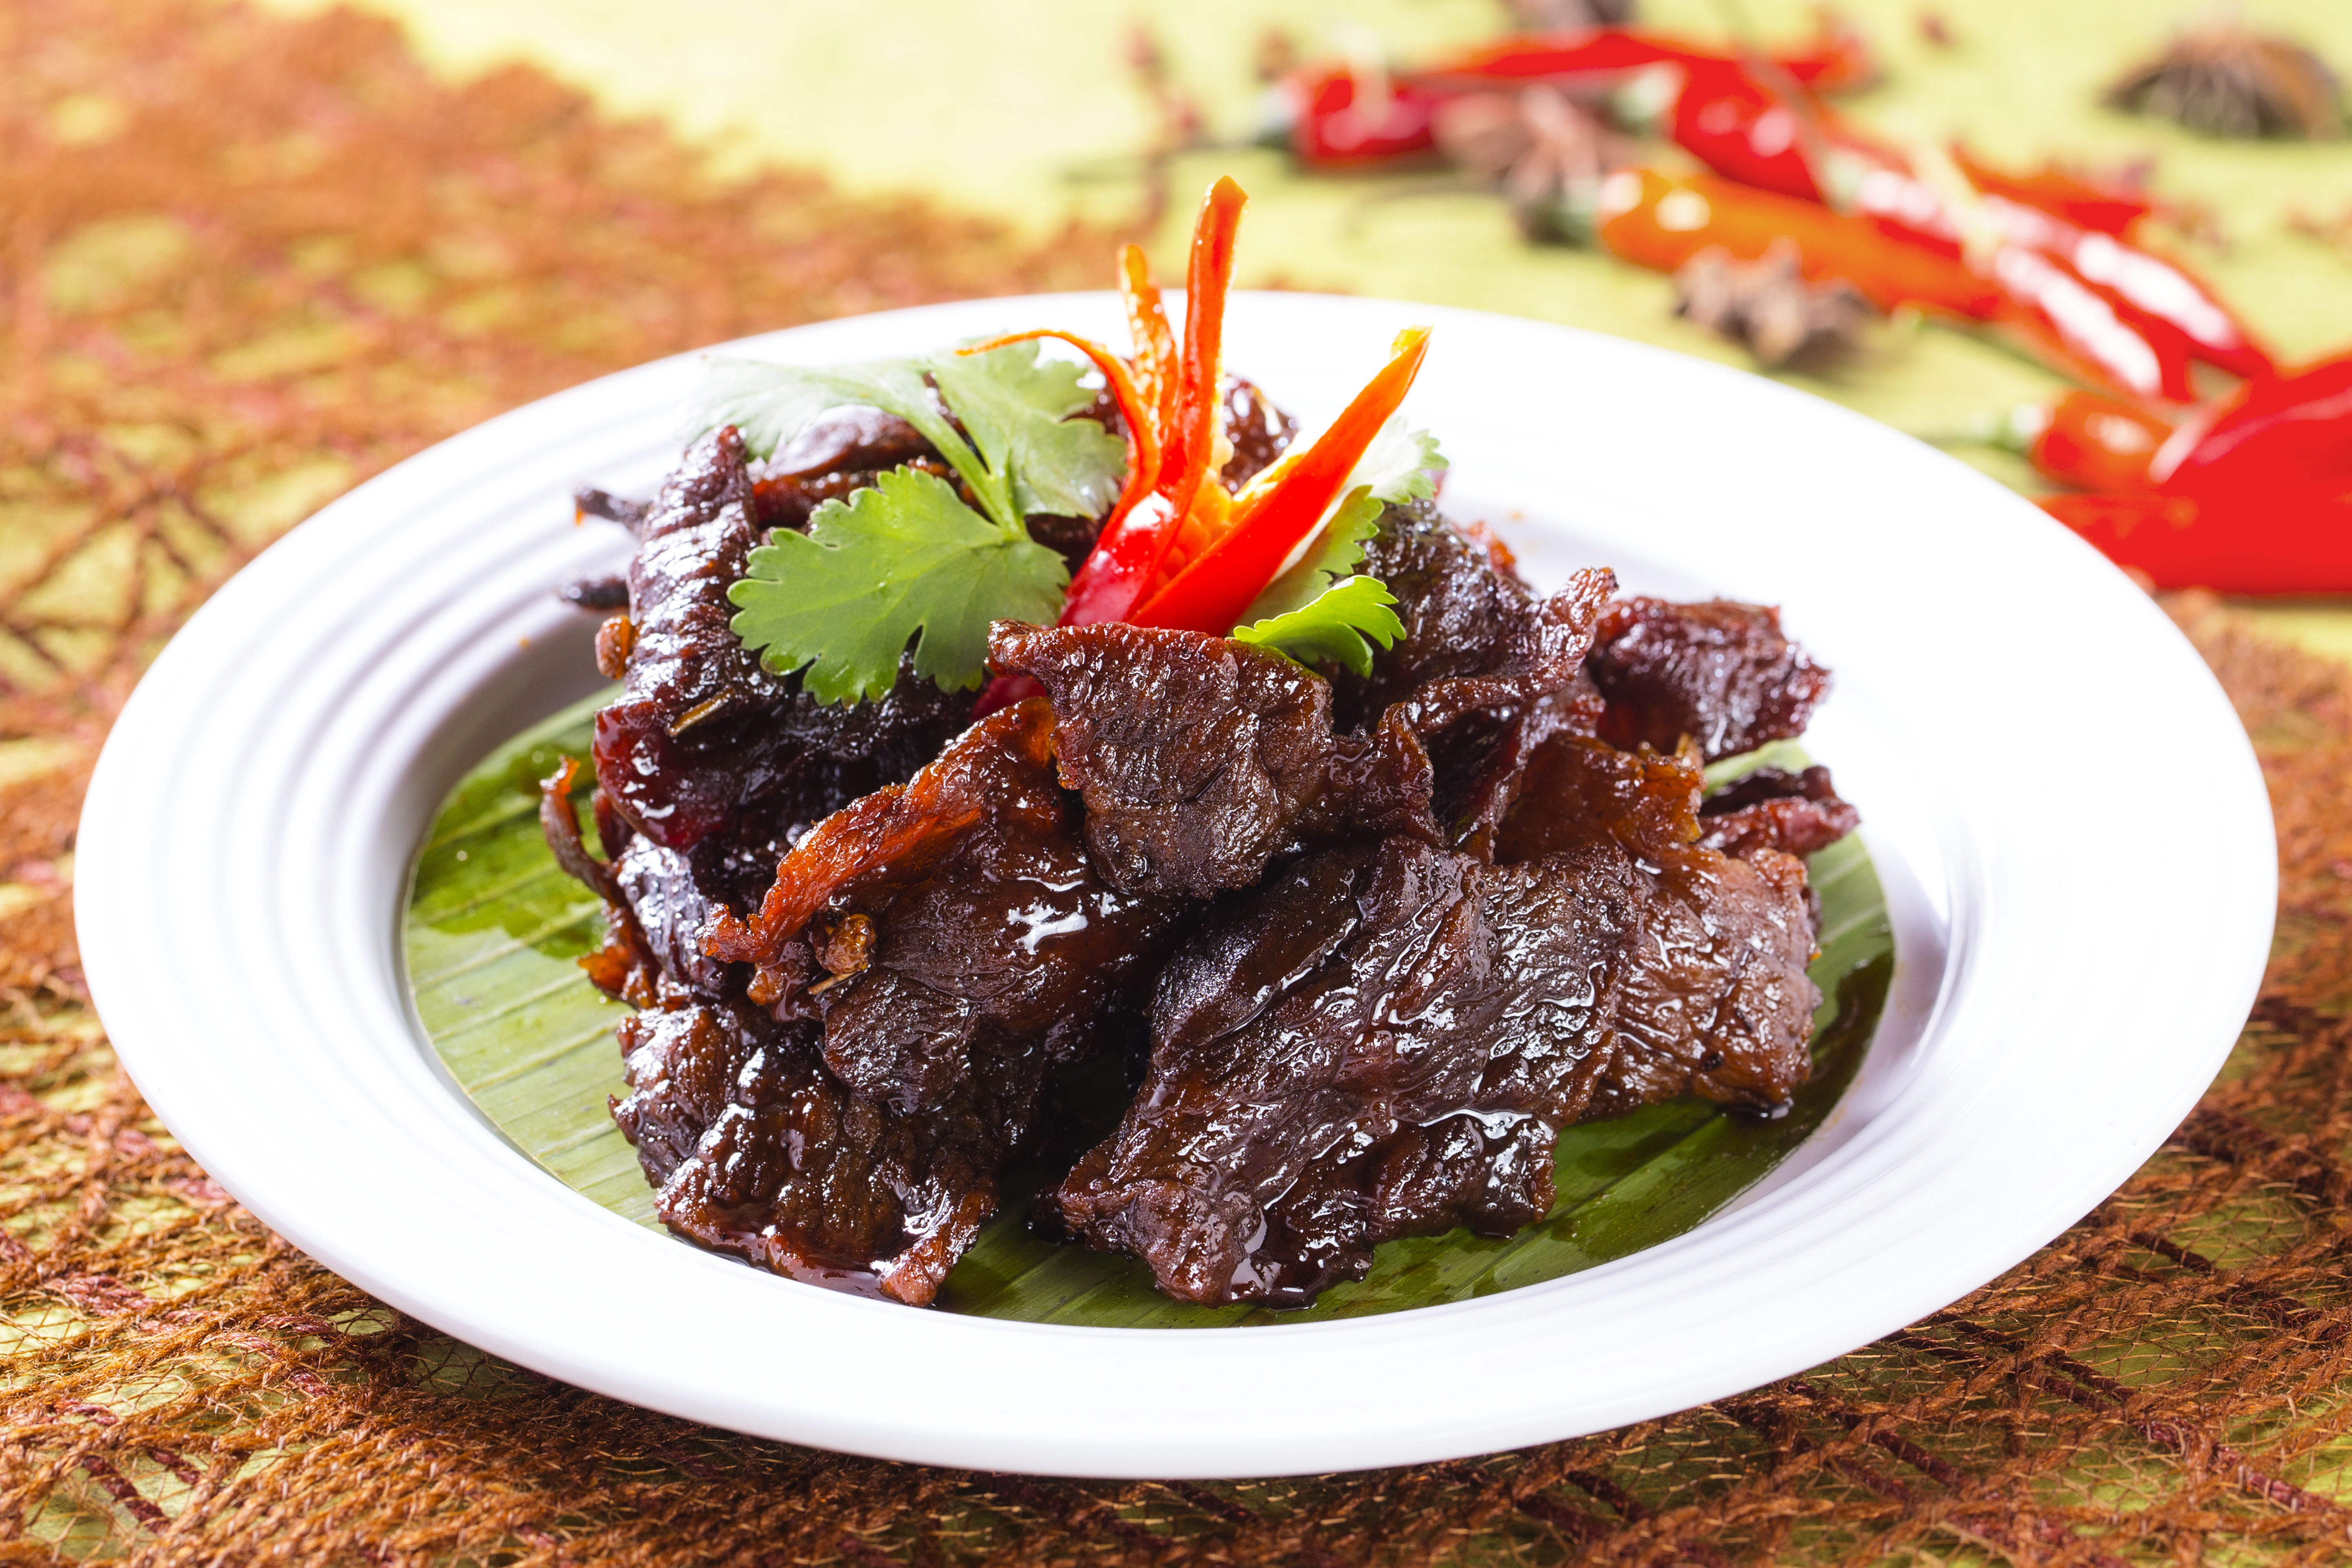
[1365, 945]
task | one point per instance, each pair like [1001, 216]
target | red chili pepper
[1211, 593]
[1156, 371]
[2251, 494]
[1126, 558]
[2078, 327]
[2097, 443]
[2273, 431]
[1657, 222]
[2101, 209]
[1744, 130]
[2290, 539]
[1346, 115]
[1347, 118]
[1189, 438]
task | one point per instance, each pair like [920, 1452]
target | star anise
[1547, 153]
[1767, 305]
[2225, 81]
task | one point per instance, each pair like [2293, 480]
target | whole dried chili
[1657, 221]
[2251, 494]
[2093, 442]
[2099, 307]
[1348, 114]
[2129, 318]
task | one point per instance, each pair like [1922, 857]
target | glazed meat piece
[1382, 1041]
[1717, 1001]
[950, 927]
[1463, 620]
[754, 1149]
[1772, 808]
[1489, 668]
[921, 959]
[1719, 672]
[1201, 759]
[701, 736]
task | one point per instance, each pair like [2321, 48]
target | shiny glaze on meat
[1720, 672]
[1717, 1002]
[1382, 1041]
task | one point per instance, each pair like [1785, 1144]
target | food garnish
[909, 561]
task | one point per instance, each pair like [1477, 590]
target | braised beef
[1487, 670]
[1382, 1041]
[1421, 919]
[755, 1150]
[952, 940]
[1717, 1002]
[1201, 759]
[1772, 808]
[1720, 672]
[702, 739]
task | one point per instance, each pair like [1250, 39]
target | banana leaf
[494, 930]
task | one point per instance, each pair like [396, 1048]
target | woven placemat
[248, 260]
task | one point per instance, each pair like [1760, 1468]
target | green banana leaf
[494, 928]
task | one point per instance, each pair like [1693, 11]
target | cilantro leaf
[1332, 628]
[902, 560]
[1332, 556]
[771, 404]
[1401, 465]
[1032, 457]
[1017, 409]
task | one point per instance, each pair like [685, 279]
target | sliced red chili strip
[1188, 438]
[1155, 343]
[1211, 593]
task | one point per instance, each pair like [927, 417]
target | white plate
[2073, 968]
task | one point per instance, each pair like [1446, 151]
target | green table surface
[1028, 111]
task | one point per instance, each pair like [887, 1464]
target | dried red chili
[2097, 443]
[2251, 494]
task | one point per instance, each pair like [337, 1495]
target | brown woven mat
[246, 261]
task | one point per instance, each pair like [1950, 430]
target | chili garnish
[1272, 520]
[1126, 557]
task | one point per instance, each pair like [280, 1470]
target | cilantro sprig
[908, 559]
[1320, 610]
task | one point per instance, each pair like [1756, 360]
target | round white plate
[2072, 967]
